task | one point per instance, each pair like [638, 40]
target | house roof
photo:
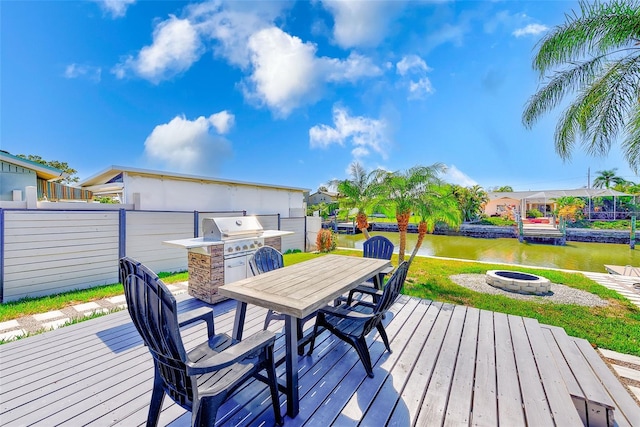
[554, 194]
[112, 171]
[42, 171]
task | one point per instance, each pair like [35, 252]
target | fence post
[122, 233]
[196, 221]
[632, 240]
[304, 236]
[279, 226]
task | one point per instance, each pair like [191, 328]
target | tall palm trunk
[363, 224]
[403, 224]
[422, 231]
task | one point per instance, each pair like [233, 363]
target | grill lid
[231, 227]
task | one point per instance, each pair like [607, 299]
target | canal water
[573, 256]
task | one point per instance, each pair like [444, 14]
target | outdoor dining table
[296, 291]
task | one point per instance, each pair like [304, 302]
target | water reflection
[573, 256]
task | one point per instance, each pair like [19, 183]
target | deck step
[596, 392]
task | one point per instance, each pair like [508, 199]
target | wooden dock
[543, 233]
[451, 365]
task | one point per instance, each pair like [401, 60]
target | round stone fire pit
[518, 282]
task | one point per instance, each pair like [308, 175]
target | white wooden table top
[300, 289]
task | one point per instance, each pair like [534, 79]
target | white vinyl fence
[45, 252]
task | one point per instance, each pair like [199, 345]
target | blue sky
[284, 92]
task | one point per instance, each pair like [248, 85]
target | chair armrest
[235, 353]
[202, 314]
[364, 289]
[344, 312]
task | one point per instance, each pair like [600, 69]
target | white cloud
[188, 145]
[351, 69]
[74, 71]
[231, 25]
[284, 75]
[419, 85]
[287, 73]
[116, 8]
[531, 30]
[222, 121]
[176, 46]
[363, 133]
[361, 23]
[420, 89]
[411, 63]
[454, 175]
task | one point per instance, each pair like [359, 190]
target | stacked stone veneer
[274, 242]
[524, 283]
[206, 274]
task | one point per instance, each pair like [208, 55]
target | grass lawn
[615, 327]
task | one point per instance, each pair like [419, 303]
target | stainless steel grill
[242, 236]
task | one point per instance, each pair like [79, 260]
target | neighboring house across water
[544, 201]
[24, 182]
[322, 197]
[168, 191]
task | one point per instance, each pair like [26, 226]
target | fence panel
[268, 222]
[314, 225]
[296, 240]
[55, 251]
[145, 232]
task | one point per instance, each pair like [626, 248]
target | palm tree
[606, 178]
[436, 204]
[361, 192]
[596, 56]
[402, 190]
[471, 200]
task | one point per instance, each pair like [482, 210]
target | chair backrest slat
[154, 313]
[265, 259]
[389, 296]
[377, 247]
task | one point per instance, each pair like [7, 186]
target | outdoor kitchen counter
[199, 242]
[215, 262]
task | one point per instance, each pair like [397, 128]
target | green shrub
[497, 220]
[534, 213]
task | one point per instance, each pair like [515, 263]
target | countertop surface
[199, 242]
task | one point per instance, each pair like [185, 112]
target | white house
[159, 190]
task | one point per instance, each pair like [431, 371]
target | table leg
[291, 337]
[238, 323]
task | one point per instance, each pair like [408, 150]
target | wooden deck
[451, 365]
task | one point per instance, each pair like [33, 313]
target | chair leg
[299, 326]
[268, 319]
[360, 344]
[273, 386]
[315, 333]
[207, 410]
[383, 334]
[157, 397]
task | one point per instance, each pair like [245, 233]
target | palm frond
[600, 29]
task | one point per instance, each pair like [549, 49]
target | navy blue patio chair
[375, 247]
[353, 322]
[201, 379]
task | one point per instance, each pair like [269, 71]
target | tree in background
[63, 166]
[607, 178]
[471, 201]
[436, 204]
[361, 192]
[596, 56]
[504, 189]
[402, 190]
[570, 208]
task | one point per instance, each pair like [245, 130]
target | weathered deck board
[450, 365]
